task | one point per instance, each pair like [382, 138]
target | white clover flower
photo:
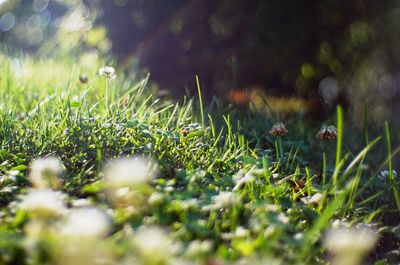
[181, 261]
[298, 236]
[44, 203]
[282, 218]
[225, 199]
[384, 174]
[255, 225]
[275, 175]
[278, 129]
[271, 230]
[241, 232]
[327, 133]
[127, 172]
[238, 175]
[198, 248]
[80, 238]
[257, 260]
[156, 198]
[81, 203]
[227, 236]
[246, 179]
[153, 245]
[169, 189]
[314, 199]
[350, 241]
[336, 224]
[127, 182]
[45, 172]
[271, 207]
[86, 222]
[190, 203]
[107, 72]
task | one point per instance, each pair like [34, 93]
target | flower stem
[106, 94]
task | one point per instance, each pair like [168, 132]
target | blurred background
[292, 56]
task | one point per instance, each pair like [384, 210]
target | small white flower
[352, 241]
[108, 72]
[241, 232]
[86, 222]
[282, 218]
[298, 236]
[278, 129]
[257, 260]
[81, 203]
[190, 203]
[327, 133]
[227, 236]
[224, 199]
[314, 199]
[271, 230]
[153, 244]
[169, 189]
[44, 203]
[271, 207]
[384, 174]
[336, 224]
[248, 178]
[45, 172]
[197, 248]
[127, 183]
[80, 238]
[127, 172]
[156, 198]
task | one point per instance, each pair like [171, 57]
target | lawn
[96, 169]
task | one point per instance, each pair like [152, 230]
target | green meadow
[97, 168]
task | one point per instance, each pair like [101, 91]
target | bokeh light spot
[329, 89]
[387, 86]
[307, 70]
[7, 21]
[40, 5]
[120, 3]
[176, 26]
[45, 18]
[34, 22]
[360, 33]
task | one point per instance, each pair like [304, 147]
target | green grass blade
[200, 101]
[390, 164]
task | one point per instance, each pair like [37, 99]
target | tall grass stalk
[390, 164]
[339, 141]
[200, 100]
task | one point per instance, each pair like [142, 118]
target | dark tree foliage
[285, 45]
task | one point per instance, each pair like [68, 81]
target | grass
[225, 189]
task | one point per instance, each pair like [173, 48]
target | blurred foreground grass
[100, 171]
